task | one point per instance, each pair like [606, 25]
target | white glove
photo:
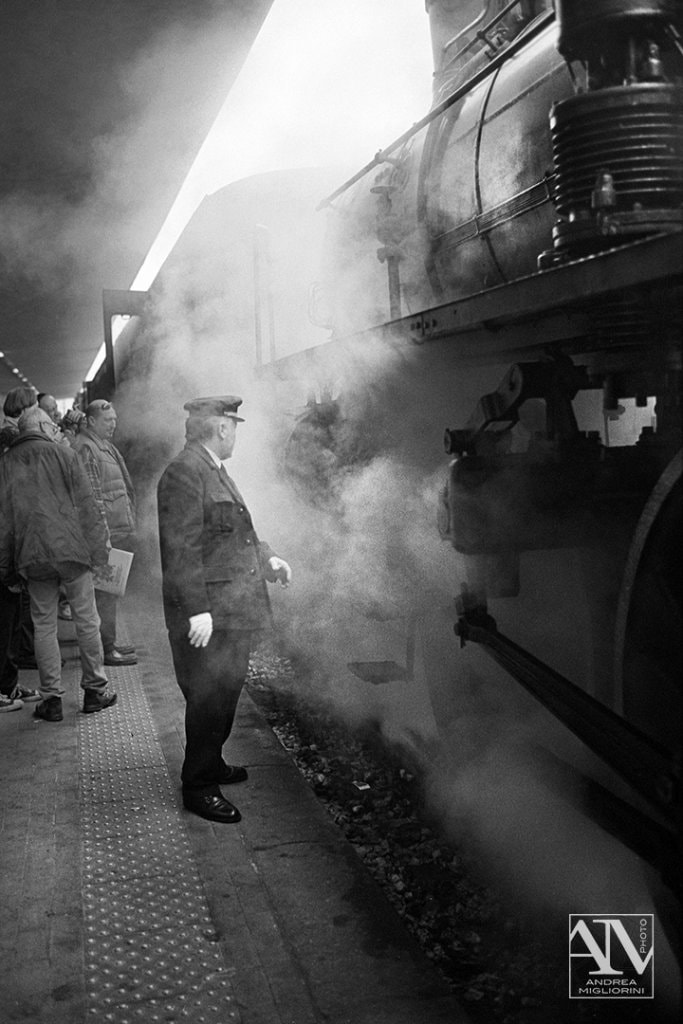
[201, 628]
[281, 571]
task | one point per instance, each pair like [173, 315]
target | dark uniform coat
[211, 558]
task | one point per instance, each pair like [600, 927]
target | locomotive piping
[645, 764]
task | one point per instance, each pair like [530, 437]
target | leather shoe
[232, 773]
[95, 700]
[211, 806]
[50, 710]
[116, 658]
[124, 649]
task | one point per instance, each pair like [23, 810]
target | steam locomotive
[526, 235]
[504, 282]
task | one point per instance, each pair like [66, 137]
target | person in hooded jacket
[51, 535]
[16, 626]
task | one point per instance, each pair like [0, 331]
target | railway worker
[115, 497]
[51, 534]
[214, 570]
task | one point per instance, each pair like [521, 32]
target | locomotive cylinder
[593, 141]
[618, 148]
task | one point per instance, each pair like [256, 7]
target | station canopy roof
[103, 106]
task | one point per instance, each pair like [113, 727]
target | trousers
[9, 617]
[107, 605]
[211, 679]
[44, 595]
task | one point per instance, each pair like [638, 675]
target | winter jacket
[48, 513]
[111, 484]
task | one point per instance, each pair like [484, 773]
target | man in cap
[115, 496]
[214, 570]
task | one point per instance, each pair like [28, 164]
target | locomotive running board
[641, 762]
[550, 294]
[512, 318]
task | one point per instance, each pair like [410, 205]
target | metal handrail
[380, 156]
[481, 36]
[463, 31]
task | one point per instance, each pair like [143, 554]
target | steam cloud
[369, 570]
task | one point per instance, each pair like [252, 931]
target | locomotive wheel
[648, 641]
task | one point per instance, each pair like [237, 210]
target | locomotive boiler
[489, 412]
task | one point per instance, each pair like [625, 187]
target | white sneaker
[7, 704]
[24, 695]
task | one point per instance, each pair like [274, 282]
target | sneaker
[96, 700]
[24, 694]
[64, 612]
[50, 710]
[10, 703]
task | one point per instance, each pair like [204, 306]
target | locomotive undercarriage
[572, 330]
[603, 316]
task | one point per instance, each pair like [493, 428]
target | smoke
[374, 584]
[105, 136]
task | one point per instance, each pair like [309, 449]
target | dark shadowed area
[103, 106]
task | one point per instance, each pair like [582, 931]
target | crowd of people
[67, 500]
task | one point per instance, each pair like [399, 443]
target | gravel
[501, 962]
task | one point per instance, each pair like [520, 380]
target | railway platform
[118, 906]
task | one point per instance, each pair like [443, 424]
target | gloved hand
[279, 570]
[201, 628]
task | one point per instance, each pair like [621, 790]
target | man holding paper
[51, 536]
[113, 489]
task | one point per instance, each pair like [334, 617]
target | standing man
[115, 497]
[51, 535]
[214, 570]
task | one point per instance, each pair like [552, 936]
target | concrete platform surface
[116, 905]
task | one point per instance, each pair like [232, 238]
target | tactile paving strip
[151, 951]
